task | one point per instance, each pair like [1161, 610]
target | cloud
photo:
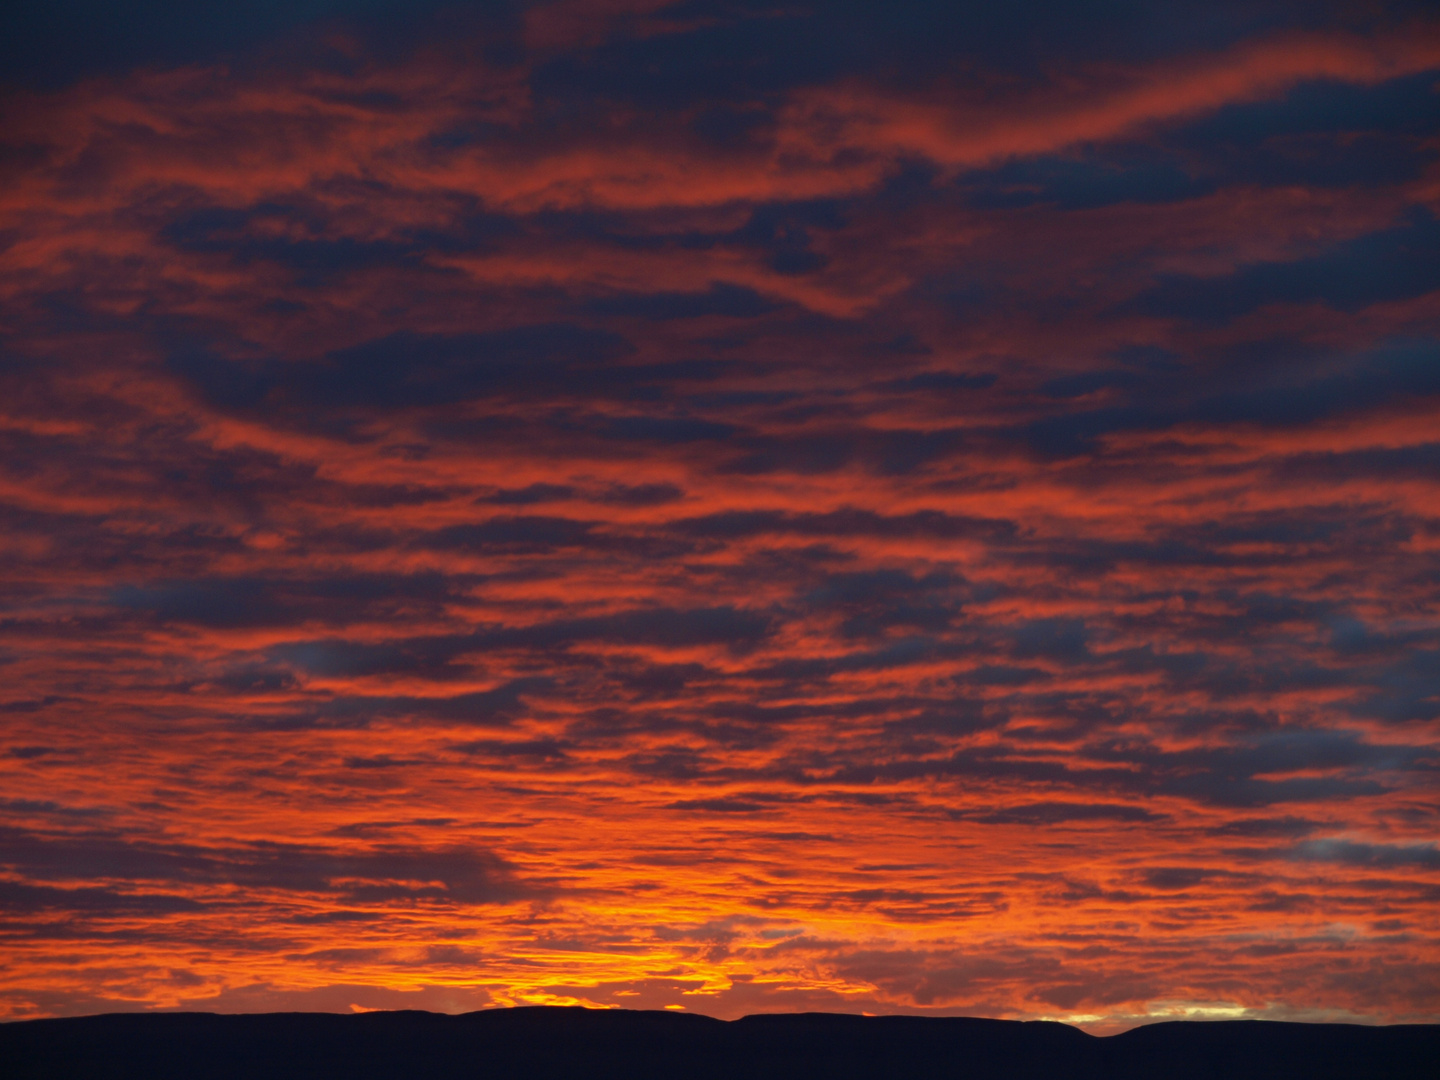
[1395, 264]
[408, 369]
[1054, 813]
[102, 903]
[899, 508]
[524, 533]
[1358, 853]
[720, 299]
[368, 875]
[246, 602]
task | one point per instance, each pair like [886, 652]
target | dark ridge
[582, 1043]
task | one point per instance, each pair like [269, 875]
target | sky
[736, 507]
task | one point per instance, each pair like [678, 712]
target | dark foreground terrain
[578, 1043]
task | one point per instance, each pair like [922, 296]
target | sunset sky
[868, 507]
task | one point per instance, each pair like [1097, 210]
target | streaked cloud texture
[892, 507]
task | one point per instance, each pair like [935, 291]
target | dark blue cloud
[667, 429]
[1269, 382]
[52, 44]
[729, 804]
[532, 493]
[1319, 134]
[16, 897]
[430, 657]
[750, 51]
[407, 369]
[1402, 106]
[517, 534]
[1333, 765]
[486, 708]
[730, 301]
[872, 603]
[438, 656]
[641, 494]
[466, 876]
[782, 233]
[1418, 461]
[1054, 813]
[298, 239]
[242, 602]
[1396, 264]
[1407, 690]
[735, 524]
[616, 494]
[1064, 640]
[939, 382]
[1271, 826]
[1101, 178]
[1358, 853]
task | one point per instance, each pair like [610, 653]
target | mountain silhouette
[543, 1042]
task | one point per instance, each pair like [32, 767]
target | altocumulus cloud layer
[864, 507]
